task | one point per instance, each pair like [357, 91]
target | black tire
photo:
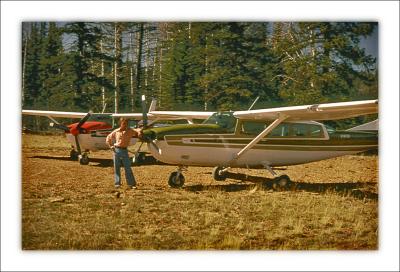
[217, 175]
[73, 155]
[140, 158]
[84, 159]
[176, 180]
[282, 183]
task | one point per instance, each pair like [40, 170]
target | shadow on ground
[149, 160]
[360, 190]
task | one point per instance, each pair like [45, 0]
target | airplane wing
[62, 114]
[135, 116]
[167, 115]
[328, 111]
[176, 115]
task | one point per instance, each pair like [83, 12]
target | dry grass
[332, 205]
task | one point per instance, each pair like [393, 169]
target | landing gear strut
[176, 179]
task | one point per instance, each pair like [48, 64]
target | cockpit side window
[253, 128]
[298, 130]
[284, 130]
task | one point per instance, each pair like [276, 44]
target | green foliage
[322, 61]
[195, 65]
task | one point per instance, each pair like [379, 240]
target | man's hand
[139, 132]
[112, 148]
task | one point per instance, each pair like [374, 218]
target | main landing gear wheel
[138, 158]
[217, 173]
[176, 180]
[84, 159]
[73, 155]
[282, 183]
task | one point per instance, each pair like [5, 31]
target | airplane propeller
[82, 121]
[147, 138]
[76, 131]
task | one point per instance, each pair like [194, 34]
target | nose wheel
[138, 158]
[176, 179]
[84, 159]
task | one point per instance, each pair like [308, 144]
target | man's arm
[110, 138]
[138, 132]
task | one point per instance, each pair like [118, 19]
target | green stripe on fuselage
[210, 135]
[182, 129]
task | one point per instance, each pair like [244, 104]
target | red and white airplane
[90, 132]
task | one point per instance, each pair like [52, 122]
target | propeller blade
[83, 120]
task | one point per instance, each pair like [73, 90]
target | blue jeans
[122, 155]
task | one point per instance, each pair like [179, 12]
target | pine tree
[32, 81]
[321, 61]
[82, 79]
[51, 65]
[238, 66]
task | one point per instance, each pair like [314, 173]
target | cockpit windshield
[224, 120]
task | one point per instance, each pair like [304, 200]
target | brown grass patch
[69, 206]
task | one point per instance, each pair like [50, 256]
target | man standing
[121, 138]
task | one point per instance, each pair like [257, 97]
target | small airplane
[262, 138]
[89, 135]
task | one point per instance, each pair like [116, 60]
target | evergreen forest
[107, 66]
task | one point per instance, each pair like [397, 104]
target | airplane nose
[74, 131]
[149, 135]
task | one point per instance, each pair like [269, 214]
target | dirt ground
[332, 204]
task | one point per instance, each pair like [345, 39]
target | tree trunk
[131, 72]
[139, 58]
[103, 90]
[23, 71]
[117, 47]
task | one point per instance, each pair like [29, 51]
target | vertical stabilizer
[153, 105]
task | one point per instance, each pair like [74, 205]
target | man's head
[123, 123]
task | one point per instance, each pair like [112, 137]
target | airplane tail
[153, 105]
[371, 126]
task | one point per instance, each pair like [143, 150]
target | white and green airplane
[260, 138]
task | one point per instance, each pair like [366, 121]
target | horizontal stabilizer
[59, 126]
[371, 126]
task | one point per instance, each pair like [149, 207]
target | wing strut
[264, 133]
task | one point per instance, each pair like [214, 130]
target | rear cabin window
[287, 130]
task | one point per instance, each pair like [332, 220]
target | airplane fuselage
[93, 141]
[288, 144]
[92, 136]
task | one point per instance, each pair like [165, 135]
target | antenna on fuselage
[255, 101]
